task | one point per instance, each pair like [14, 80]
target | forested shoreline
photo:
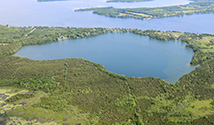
[13, 38]
[77, 91]
[197, 7]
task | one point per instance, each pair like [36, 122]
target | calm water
[123, 53]
[61, 13]
[127, 54]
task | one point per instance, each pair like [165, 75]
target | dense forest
[198, 7]
[77, 91]
[93, 8]
[13, 38]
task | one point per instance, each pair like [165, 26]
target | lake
[61, 13]
[123, 53]
[127, 54]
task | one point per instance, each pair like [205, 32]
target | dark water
[61, 13]
[123, 53]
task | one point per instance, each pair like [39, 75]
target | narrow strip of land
[200, 7]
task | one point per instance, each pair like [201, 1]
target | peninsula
[199, 7]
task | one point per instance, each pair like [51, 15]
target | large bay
[123, 53]
[132, 56]
[61, 13]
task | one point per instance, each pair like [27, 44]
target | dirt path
[30, 32]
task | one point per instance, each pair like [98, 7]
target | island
[78, 91]
[93, 8]
[198, 7]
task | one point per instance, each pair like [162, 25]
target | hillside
[77, 91]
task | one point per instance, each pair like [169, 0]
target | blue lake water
[123, 53]
[61, 13]
[127, 54]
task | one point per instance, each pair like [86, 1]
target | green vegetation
[93, 8]
[199, 7]
[13, 38]
[13, 98]
[17, 121]
[18, 97]
[77, 91]
[201, 44]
